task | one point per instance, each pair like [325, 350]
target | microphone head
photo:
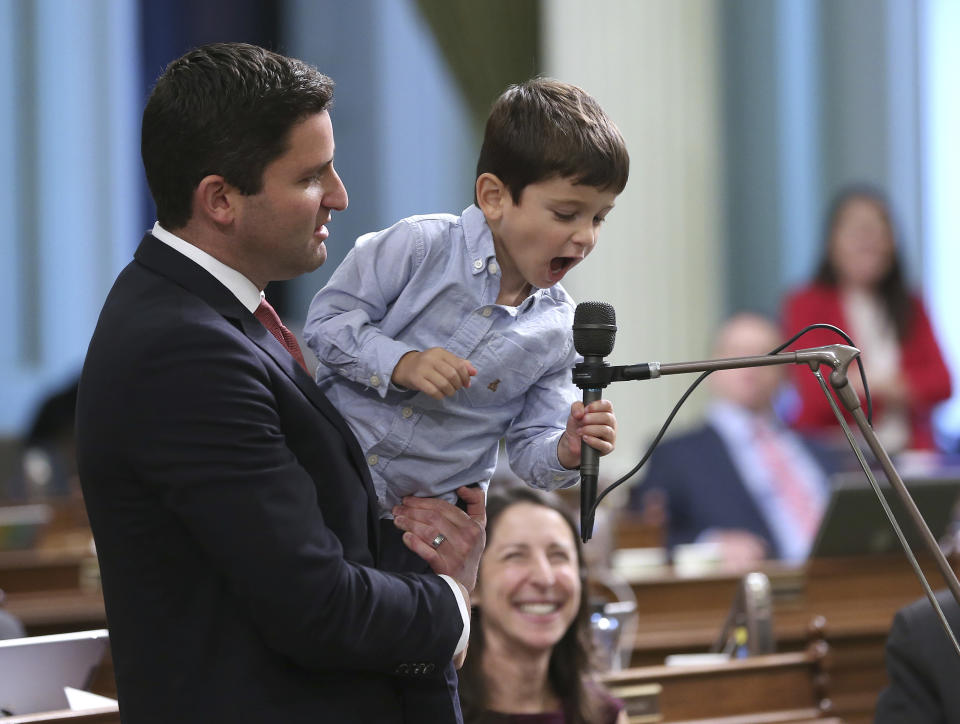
[594, 329]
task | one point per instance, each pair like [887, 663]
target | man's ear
[215, 199]
[491, 195]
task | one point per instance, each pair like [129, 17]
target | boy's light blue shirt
[432, 281]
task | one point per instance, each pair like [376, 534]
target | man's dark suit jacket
[236, 524]
[703, 488]
[923, 667]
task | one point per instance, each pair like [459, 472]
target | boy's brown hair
[544, 128]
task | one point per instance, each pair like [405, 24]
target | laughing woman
[529, 656]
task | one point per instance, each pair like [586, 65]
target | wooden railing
[787, 687]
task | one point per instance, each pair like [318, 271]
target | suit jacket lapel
[167, 261]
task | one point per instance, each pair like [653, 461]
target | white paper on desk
[80, 700]
[696, 659]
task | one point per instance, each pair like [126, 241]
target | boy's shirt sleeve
[534, 435]
[343, 322]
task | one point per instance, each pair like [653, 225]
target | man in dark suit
[741, 479]
[233, 512]
[923, 666]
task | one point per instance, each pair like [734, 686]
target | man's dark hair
[227, 109]
[544, 128]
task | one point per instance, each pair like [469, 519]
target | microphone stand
[838, 357]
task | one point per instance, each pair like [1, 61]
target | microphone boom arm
[838, 357]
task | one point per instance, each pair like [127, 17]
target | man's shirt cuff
[464, 613]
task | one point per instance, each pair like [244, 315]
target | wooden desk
[49, 612]
[53, 589]
[104, 715]
[48, 569]
[857, 597]
[789, 687]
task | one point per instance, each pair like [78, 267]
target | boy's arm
[544, 441]
[342, 327]
[534, 436]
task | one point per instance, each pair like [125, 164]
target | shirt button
[486, 311]
[478, 263]
[492, 268]
[406, 411]
[375, 380]
[373, 459]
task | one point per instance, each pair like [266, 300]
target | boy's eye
[563, 217]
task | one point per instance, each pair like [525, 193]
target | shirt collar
[481, 251]
[241, 287]
[479, 239]
[735, 420]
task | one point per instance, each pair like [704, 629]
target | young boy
[442, 334]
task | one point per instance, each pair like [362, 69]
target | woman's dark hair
[571, 658]
[227, 109]
[892, 289]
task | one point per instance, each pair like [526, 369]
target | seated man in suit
[741, 479]
[922, 666]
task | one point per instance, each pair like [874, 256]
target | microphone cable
[703, 376]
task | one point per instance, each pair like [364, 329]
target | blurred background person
[44, 476]
[10, 625]
[530, 646]
[741, 479]
[922, 666]
[47, 465]
[859, 286]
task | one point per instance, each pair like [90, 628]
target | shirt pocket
[505, 371]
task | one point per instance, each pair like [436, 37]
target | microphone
[758, 613]
[594, 331]
[748, 629]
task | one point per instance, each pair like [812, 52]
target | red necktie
[269, 319]
[787, 483]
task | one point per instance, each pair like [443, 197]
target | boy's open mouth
[561, 263]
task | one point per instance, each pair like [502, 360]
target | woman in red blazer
[859, 286]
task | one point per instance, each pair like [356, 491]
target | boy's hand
[594, 425]
[435, 372]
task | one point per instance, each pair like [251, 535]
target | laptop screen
[854, 522]
[35, 669]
